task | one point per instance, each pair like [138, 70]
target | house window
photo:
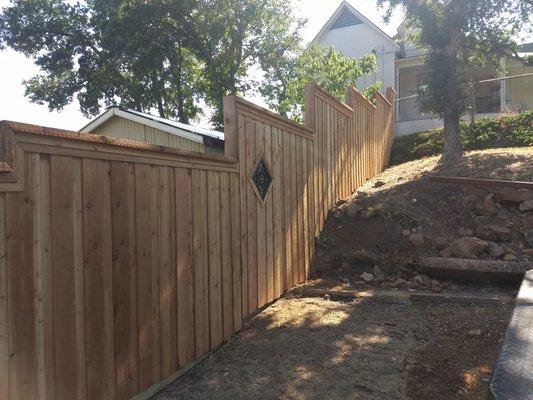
[347, 18]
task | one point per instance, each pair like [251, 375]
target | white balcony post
[503, 88]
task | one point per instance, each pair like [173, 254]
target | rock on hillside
[401, 216]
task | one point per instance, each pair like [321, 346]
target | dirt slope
[400, 216]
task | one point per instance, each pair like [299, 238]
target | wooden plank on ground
[185, 277]
[20, 287]
[482, 182]
[98, 280]
[475, 270]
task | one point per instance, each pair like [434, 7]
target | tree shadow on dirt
[304, 348]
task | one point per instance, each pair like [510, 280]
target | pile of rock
[494, 235]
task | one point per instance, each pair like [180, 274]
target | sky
[15, 67]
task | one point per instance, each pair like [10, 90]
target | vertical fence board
[305, 211]
[287, 209]
[42, 275]
[277, 216]
[215, 271]
[124, 275]
[67, 274]
[251, 215]
[147, 288]
[261, 225]
[294, 211]
[20, 286]
[226, 253]
[269, 241]
[79, 291]
[98, 280]
[167, 271]
[243, 210]
[299, 209]
[185, 274]
[236, 251]
[200, 258]
[4, 317]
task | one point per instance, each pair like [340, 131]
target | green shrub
[484, 133]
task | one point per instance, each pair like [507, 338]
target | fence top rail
[353, 94]
[383, 99]
[331, 100]
[272, 117]
[22, 128]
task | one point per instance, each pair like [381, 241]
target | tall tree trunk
[182, 117]
[160, 108]
[452, 143]
[452, 150]
[181, 109]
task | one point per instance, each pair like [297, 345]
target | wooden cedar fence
[121, 263]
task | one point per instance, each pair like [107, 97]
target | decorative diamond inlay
[262, 178]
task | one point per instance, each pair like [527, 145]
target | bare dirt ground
[312, 348]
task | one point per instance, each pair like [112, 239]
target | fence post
[231, 140]
[310, 107]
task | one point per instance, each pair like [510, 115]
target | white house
[402, 67]
[354, 35]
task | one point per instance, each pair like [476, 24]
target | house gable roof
[190, 132]
[347, 15]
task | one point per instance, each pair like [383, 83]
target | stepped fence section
[122, 263]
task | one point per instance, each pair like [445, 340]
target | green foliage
[484, 133]
[460, 36]
[322, 65]
[166, 54]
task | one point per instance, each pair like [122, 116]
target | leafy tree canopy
[165, 54]
[459, 36]
[285, 82]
